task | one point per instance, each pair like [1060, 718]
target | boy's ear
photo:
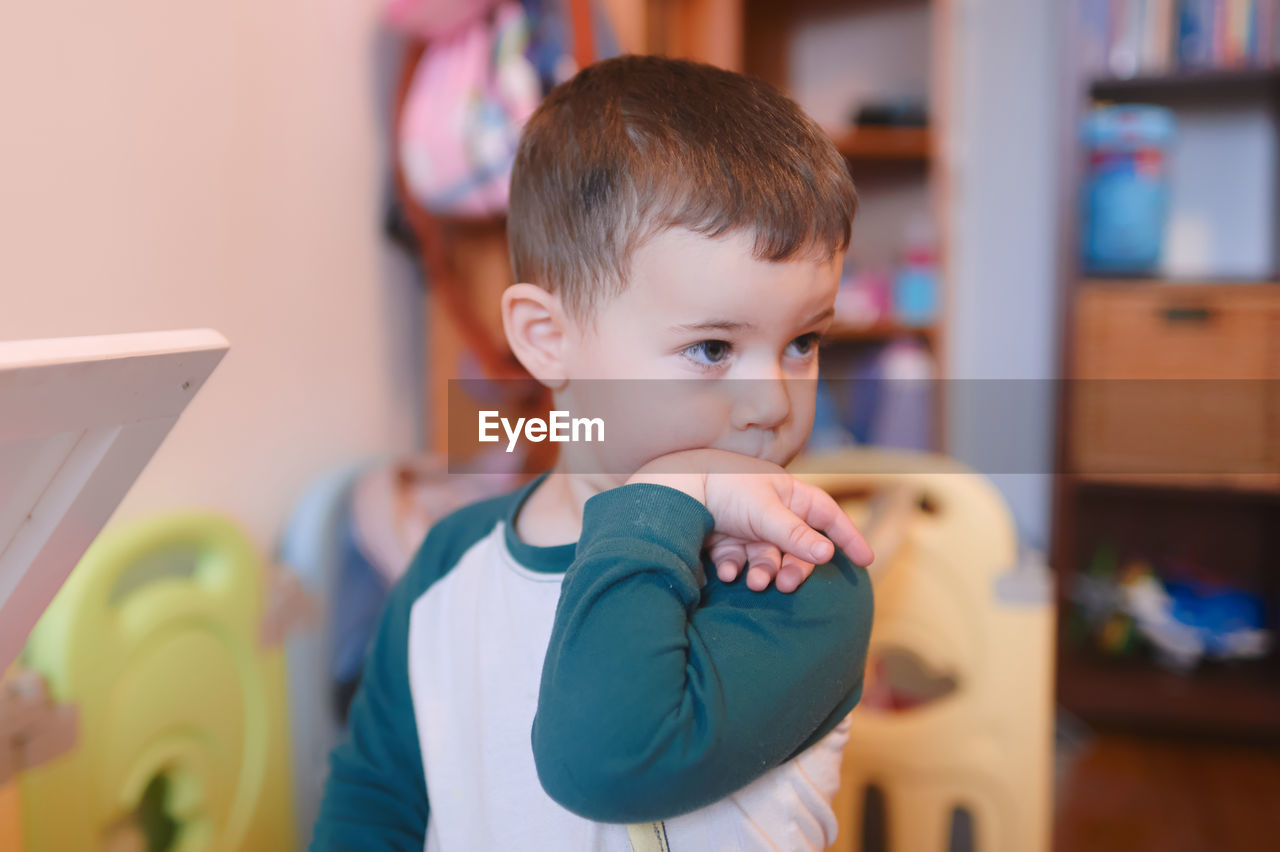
[534, 322]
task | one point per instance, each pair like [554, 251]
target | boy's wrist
[693, 484]
[689, 470]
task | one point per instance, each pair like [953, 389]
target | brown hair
[634, 145]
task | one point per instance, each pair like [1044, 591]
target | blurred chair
[951, 747]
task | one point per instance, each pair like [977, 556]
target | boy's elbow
[597, 785]
[581, 790]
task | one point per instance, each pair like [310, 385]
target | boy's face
[706, 347]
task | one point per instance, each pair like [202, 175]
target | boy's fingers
[792, 574]
[763, 560]
[780, 526]
[758, 578]
[821, 511]
[728, 554]
[727, 547]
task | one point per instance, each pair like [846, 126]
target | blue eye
[708, 353]
[806, 344]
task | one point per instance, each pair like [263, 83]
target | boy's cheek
[654, 433]
[645, 419]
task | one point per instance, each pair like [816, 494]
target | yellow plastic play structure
[973, 764]
[181, 738]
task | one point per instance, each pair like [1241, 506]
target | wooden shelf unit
[873, 143]
[1242, 699]
[1145, 327]
[1229, 82]
[1261, 484]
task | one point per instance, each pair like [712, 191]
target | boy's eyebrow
[714, 325]
[820, 316]
[734, 325]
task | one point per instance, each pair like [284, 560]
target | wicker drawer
[1172, 379]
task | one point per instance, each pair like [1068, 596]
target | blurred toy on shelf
[892, 112]
[1126, 193]
[915, 284]
[864, 297]
[906, 295]
[884, 394]
[1123, 607]
[904, 414]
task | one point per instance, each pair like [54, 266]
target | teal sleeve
[376, 794]
[658, 697]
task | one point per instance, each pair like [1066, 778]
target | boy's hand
[764, 517]
[765, 563]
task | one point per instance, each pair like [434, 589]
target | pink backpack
[470, 96]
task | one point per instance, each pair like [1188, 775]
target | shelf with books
[1142, 38]
[1202, 324]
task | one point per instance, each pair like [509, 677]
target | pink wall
[175, 165]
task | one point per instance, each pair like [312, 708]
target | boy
[558, 663]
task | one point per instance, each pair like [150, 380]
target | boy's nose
[761, 402]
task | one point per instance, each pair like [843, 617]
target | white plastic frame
[80, 417]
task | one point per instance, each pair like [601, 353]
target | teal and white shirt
[539, 698]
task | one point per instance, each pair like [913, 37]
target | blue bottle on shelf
[915, 289]
[1126, 192]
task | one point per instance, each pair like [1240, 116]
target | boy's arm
[376, 795]
[658, 698]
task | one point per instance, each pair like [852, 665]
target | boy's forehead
[689, 273]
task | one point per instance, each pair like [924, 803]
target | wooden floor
[1121, 793]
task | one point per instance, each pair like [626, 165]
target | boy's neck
[552, 514]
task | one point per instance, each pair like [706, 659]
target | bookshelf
[1131, 38]
[1124, 479]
